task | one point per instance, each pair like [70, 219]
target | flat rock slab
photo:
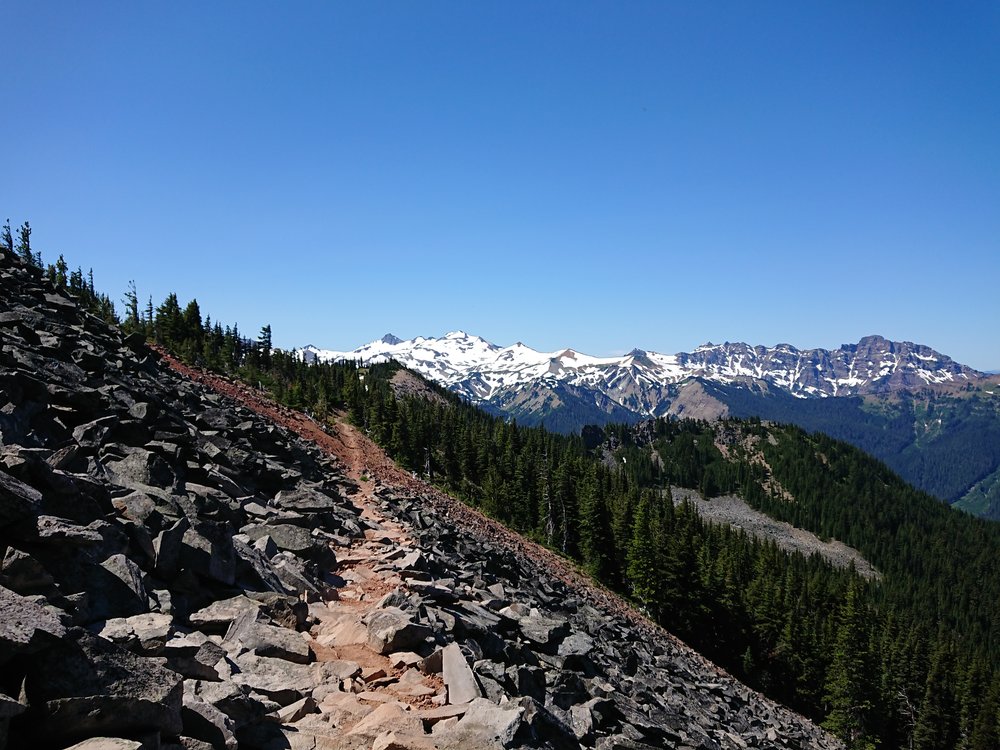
[217, 616]
[268, 640]
[147, 633]
[294, 539]
[282, 681]
[458, 676]
[543, 631]
[389, 717]
[106, 743]
[343, 628]
[305, 500]
[205, 722]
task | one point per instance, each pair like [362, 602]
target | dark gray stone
[392, 629]
[207, 549]
[544, 632]
[205, 722]
[254, 569]
[23, 573]
[194, 656]
[85, 685]
[305, 499]
[25, 627]
[267, 640]
[17, 500]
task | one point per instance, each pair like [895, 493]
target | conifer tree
[61, 278]
[644, 572]
[850, 678]
[24, 244]
[131, 301]
[264, 341]
[596, 540]
[7, 239]
[937, 726]
[986, 729]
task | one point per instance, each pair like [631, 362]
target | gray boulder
[17, 500]
[267, 640]
[458, 676]
[392, 629]
[25, 626]
[85, 685]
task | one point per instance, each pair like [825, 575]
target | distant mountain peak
[643, 383]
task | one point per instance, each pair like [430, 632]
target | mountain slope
[934, 421]
[180, 571]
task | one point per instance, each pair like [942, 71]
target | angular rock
[388, 717]
[295, 711]
[86, 685]
[254, 569]
[337, 671]
[458, 676]
[305, 500]
[25, 626]
[543, 632]
[217, 616]
[167, 547]
[205, 722]
[207, 549]
[268, 640]
[17, 500]
[145, 633]
[294, 539]
[282, 681]
[130, 597]
[392, 629]
[23, 573]
[231, 699]
[194, 656]
[487, 725]
[63, 531]
[107, 743]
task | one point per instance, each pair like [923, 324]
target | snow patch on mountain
[640, 380]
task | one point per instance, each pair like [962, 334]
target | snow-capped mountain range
[519, 380]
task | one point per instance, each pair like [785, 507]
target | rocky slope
[186, 565]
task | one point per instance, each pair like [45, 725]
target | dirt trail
[369, 466]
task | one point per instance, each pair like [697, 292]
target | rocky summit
[184, 567]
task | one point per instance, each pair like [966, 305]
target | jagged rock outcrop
[178, 571]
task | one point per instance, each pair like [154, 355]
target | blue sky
[595, 175]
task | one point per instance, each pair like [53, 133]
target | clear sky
[597, 175]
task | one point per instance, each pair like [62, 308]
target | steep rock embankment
[180, 571]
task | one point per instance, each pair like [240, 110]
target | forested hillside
[910, 661]
[947, 444]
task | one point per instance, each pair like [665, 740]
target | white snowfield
[479, 370]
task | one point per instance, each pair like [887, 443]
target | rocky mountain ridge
[178, 570]
[517, 378]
